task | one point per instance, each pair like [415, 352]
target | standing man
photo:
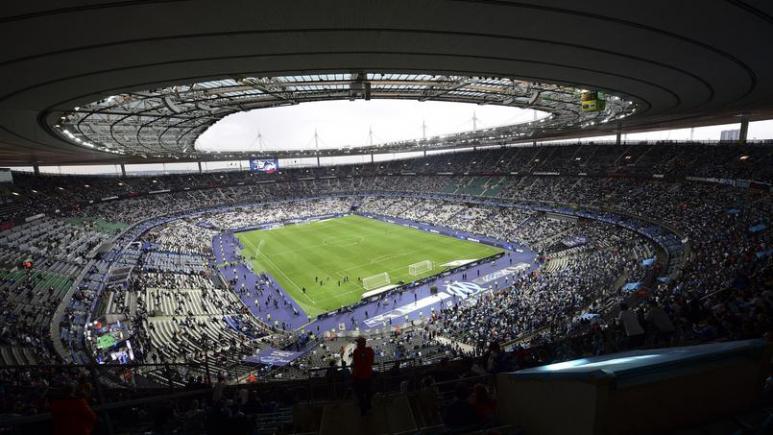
[362, 374]
[631, 326]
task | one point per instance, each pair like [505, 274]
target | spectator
[362, 374]
[494, 359]
[218, 389]
[460, 414]
[71, 414]
[484, 405]
[663, 328]
[629, 320]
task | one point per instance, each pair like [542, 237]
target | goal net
[420, 267]
[375, 281]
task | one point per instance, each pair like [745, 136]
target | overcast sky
[346, 123]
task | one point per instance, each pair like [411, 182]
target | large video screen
[6, 176]
[269, 166]
[592, 101]
[107, 341]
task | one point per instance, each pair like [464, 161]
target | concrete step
[389, 414]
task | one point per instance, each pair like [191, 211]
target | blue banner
[631, 287]
[572, 242]
[273, 357]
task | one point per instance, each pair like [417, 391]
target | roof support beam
[744, 131]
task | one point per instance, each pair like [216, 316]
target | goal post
[376, 281]
[420, 267]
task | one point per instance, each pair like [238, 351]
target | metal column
[742, 135]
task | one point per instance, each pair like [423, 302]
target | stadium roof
[165, 122]
[148, 76]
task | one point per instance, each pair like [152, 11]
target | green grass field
[352, 246]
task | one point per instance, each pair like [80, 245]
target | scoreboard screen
[106, 341]
[6, 176]
[268, 166]
[592, 101]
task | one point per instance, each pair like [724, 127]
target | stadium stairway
[449, 342]
[391, 413]
[555, 264]
[493, 188]
[273, 422]
[14, 355]
[475, 186]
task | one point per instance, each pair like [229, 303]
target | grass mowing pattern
[351, 246]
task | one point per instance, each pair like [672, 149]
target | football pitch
[318, 256]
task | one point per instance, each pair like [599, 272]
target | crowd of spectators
[585, 283]
[718, 289]
[52, 195]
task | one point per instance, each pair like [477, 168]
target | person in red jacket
[71, 414]
[362, 373]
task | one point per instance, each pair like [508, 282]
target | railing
[111, 403]
[345, 153]
[56, 320]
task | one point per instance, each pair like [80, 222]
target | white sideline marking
[297, 287]
[457, 263]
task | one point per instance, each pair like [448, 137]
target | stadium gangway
[317, 389]
[384, 379]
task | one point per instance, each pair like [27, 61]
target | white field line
[297, 287]
[341, 273]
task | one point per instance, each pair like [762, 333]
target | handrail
[56, 319]
[346, 152]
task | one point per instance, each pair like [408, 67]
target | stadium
[202, 232]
